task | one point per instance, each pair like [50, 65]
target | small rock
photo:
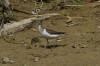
[58, 40]
[24, 65]
[36, 11]
[82, 46]
[36, 59]
[98, 27]
[78, 46]
[34, 30]
[25, 1]
[27, 46]
[7, 60]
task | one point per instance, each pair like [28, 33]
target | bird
[48, 33]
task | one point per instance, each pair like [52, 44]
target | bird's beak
[39, 22]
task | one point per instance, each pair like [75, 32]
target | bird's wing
[54, 32]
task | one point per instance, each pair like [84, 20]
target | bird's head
[39, 22]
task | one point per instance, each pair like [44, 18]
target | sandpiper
[48, 33]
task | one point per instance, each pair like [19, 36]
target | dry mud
[79, 47]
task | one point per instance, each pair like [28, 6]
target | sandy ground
[79, 46]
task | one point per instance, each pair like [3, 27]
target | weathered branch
[73, 5]
[18, 26]
[21, 11]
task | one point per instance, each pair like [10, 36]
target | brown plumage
[53, 31]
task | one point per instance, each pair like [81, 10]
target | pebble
[59, 40]
[78, 46]
[7, 60]
[98, 27]
[36, 59]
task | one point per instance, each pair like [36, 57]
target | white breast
[45, 34]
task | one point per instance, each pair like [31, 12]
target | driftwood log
[13, 27]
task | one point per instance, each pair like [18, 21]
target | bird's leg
[47, 41]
